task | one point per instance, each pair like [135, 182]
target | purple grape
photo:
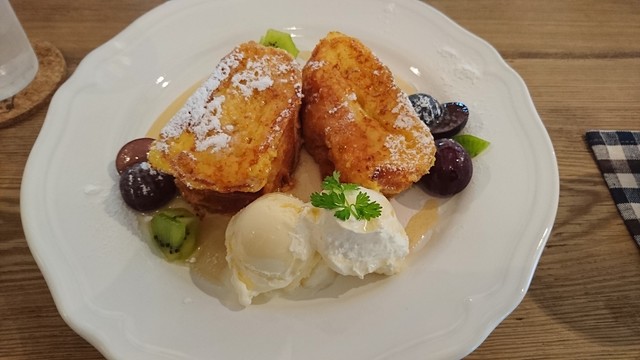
[146, 189]
[452, 170]
[444, 120]
[454, 118]
[427, 107]
[133, 152]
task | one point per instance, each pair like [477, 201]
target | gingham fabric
[618, 157]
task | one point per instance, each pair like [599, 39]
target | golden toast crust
[357, 121]
[238, 135]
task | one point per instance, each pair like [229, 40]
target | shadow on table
[582, 262]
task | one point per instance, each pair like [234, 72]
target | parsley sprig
[333, 198]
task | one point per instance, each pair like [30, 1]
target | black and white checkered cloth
[618, 157]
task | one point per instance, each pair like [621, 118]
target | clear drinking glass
[18, 62]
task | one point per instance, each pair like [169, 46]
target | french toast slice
[356, 120]
[238, 136]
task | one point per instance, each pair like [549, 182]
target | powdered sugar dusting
[315, 65]
[284, 114]
[351, 97]
[215, 142]
[336, 108]
[254, 77]
[460, 68]
[202, 113]
[405, 120]
[395, 144]
[400, 151]
[298, 88]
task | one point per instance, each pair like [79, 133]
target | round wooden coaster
[52, 70]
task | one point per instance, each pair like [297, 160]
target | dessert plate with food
[290, 188]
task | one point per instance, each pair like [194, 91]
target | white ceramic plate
[129, 303]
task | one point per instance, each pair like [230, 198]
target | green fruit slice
[175, 231]
[473, 144]
[281, 40]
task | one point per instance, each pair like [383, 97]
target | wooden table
[581, 62]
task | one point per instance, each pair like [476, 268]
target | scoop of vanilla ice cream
[268, 246]
[359, 247]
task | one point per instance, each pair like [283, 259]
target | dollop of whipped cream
[360, 247]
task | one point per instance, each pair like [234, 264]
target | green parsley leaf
[322, 200]
[349, 186]
[365, 208]
[332, 183]
[333, 198]
[343, 214]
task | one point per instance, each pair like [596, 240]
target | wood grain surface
[581, 62]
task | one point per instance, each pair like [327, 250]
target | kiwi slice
[175, 232]
[281, 40]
